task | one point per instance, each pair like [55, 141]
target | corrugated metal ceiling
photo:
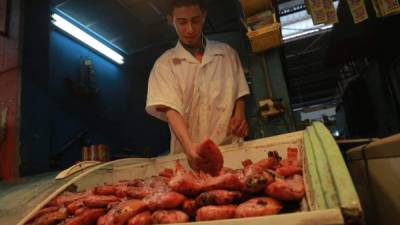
[136, 24]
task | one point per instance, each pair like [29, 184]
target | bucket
[98, 152]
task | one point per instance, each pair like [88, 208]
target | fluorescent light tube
[86, 38]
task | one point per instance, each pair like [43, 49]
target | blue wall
[115, 117]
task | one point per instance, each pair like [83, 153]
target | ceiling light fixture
[73, 30]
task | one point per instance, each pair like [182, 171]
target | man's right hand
[193, 156]
[194, 151]
[206, 157]
[179, 127]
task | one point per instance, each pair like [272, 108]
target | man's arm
[178, 126]
[238, 124]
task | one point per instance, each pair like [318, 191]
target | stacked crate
[263, 30]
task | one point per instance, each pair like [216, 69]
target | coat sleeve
[243, 87]
[163, 91]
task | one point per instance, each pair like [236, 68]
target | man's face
[188, 22]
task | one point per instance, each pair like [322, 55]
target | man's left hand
[238, 126]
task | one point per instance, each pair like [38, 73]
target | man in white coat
[198, 86]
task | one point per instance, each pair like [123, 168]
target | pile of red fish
[257, 189]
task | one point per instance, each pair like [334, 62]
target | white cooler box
[330, 199]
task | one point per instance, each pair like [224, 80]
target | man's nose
[190, 28]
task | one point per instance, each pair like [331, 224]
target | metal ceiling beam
[62, 2]
[315, 95]
[313, 86]
[155, 8]
[320, 75]
[328, 100]
[311, 65]
[294, 55]
[294, 9]
[317, 78]
[208, 21]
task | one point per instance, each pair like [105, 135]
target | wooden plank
[319, 217]
[355, 141]
[383, 148]
[323, 170]
[267, 142]
[315, 195]
[345, 190]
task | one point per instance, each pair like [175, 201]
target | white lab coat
[203, 93]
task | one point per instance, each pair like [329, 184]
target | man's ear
[170, 20]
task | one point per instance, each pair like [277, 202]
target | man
[198, 86]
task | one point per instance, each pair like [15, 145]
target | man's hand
[193, 156]
[238, 124]
[192, 150]
[206, 157]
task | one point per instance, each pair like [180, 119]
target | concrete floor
[19, 197]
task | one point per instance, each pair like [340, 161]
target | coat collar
[211, 49]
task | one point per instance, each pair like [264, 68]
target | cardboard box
[375, 169]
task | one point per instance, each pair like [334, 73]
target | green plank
[346, 192]
[323, 170]
[317, 200]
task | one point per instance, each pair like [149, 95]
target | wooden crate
[252, 7]
[265, 38]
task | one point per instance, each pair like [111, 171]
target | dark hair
[172, 4]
